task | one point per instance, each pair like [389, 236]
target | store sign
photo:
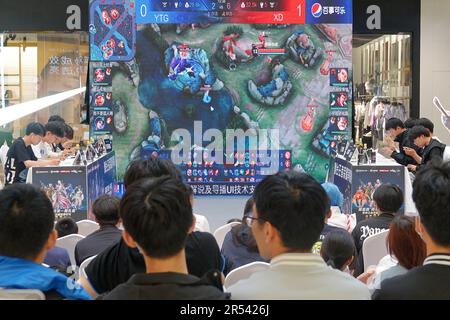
[73, 21]
[381, 16]
[374, 18]
[44, 15]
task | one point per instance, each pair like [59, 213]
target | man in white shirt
[288, 216]
[54, 133]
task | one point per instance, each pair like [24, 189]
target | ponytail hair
[337, 248]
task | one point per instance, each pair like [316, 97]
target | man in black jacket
[433, 150]
[118, 263]
[388, 199]
[431, 194]
[397, 129]
[157, 216]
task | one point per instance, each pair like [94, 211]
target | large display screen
[231, 91]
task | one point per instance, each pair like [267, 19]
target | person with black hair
[54, 133]
[431, 194]
[410, 122]
[388, 199]
[106, 213]
[433, 150]
[239, 246]
[26, 234]
[157, 217]
[201, 222]
[56, 118]
[119, 262]
[64, 147]
[288, 216]
[399, 133]
[66, 226]
[20, 155]
[338, 250]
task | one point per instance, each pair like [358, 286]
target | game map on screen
[231, 91]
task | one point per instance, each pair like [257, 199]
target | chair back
[69, 242]
[86, 227]
[374, 248]
[222, 231]
[244, 272]
[83, 266]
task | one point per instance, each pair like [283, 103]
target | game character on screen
[302, 49]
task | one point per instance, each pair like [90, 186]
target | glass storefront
[382, 77]
[38, 64]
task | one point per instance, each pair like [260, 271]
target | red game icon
[106, 18]
[114, 14]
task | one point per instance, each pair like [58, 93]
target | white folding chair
[244, 272]
[374, 248]
[86, 227]
[83, 266]
[3, 153]
[446, 156]
[69, 242]
[201, 223]
[21, 294]
[222, 231]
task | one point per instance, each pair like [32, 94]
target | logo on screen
[316, 10]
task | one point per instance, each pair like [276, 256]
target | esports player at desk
[20, 155]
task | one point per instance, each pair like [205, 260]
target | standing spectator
[20, 155]
[106, 213]
[157, 216]
[26, 234]
[388, 200]
[431, 194]
[288, 216]
[239, 246]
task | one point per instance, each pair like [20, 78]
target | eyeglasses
[249, 220]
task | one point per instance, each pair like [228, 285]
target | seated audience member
[398, 131]
[54, 134]
[388, 199]
[336, 217]
[406, 251]
[239, 246]
[338, 250]
[431, 194]
[118, 263]
[433, 150]
[66, 226]
[157, 217]
[106, 213]
[57, 257]
[20, 155]
[201, 222]
[339, 220]
[288, 216]
[26, 234]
